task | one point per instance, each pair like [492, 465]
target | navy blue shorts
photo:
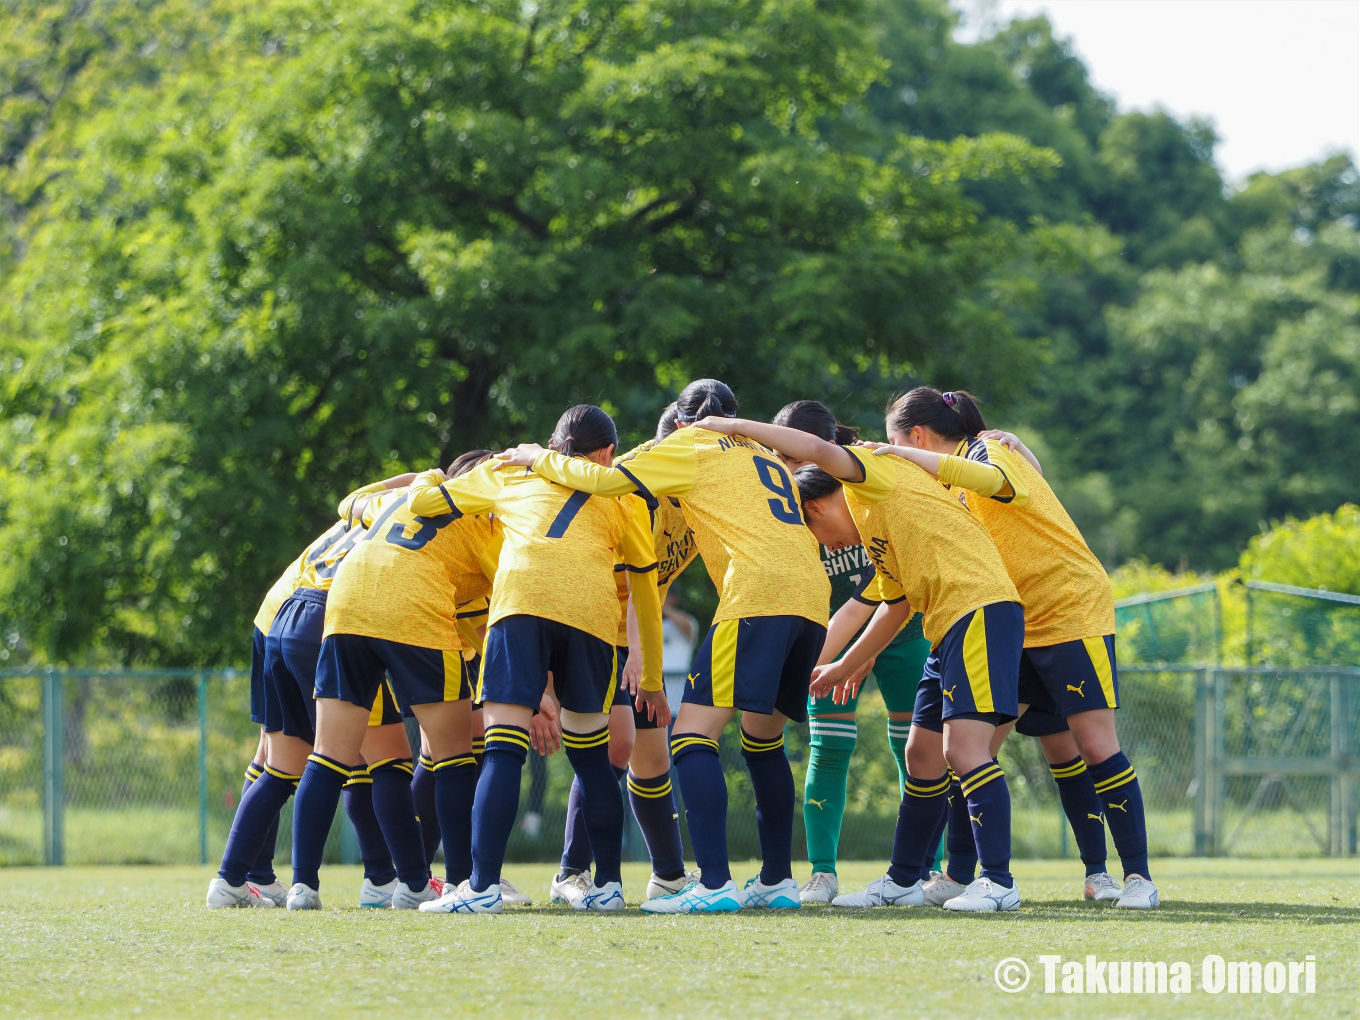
[290, 656]
[1042, 718]
[520, 652]
[355, 668]
[1078, 675]
[758, 664]
[257, 701]
[621, 697]
[973, 673]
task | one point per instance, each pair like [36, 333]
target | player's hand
[727, 426]
[656, 706]
[522, 455]
[545, 731]
[849, 688]
[632, 674]
[881, 448]
[826, 678]
[1007, 439]
[871, 444]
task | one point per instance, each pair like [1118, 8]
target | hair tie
[949, 398]
[690, 419]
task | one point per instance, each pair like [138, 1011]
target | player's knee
[924, 759]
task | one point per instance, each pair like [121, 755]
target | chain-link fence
[147, 767]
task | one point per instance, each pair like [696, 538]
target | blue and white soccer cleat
[464, 901]
[303, 897]
[884, 892]
[378, 896]
[605, 898]
[982, 895]
[783, 895]
[696, 898]
[1139, 894]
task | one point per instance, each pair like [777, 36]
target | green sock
[897, 740]
[833, 742]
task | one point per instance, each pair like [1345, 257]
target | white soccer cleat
[404, 898]
[221, 895]
[1139, 894]
[464, 901]
[982, 895]
[605, 898]
[940, 889]
[822, 887]
[512, 897]
[378, 896]
[783, 895]
[275, 892]
[696, 898]
[657, 887]
[303, 897]
[570, 889]
[1100, 888]
[884, 892]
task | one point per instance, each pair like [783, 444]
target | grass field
[138, 941]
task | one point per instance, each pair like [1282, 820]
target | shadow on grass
[1188, 911]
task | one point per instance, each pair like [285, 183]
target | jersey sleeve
[667, 469]
[878, 587]
[473, 493]
[990, 470]
[639, 560]
[345, 510]
[877, 475]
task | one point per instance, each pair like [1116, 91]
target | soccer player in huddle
[757, 656]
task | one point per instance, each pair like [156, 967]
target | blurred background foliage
[254, 252]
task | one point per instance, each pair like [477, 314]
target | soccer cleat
[697, 899]
[605, 898]
[512, 897]
[276, 892]
[1101, 888]
[940, 889]
[657, 887]
[221, 895]
[464, 901]
[1139, 894]
[570, 888]
[783, 895]
[379, 896]
[822, 887]
[403, 898]
[982, 895]
[303, 897]
[884, 892]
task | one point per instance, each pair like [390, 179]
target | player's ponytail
[582, 430]
[952, 415]
[465, 462]
[704, 398]
[815, 418]
[814, 483]
[666, 425]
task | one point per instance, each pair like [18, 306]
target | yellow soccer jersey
[399, 581]
[1066, 591]
[471, 616]
[560, 548]
[277, 596]
[925, 544]
[743, 507]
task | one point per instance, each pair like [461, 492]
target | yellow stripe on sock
[507, 735]
[281, 775]
[1069, 771]
[751, 744]
[724, 656]
[329, 764]
[458, 762]
[679, 743]
[1127, 776]
[981, 779]
[427, 761]
[648, 791]
[581, 741]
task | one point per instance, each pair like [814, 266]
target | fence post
[1200, 797]
[202, 768]
[54, 768]
[1218, 750]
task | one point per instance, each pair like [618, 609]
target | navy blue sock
[497, 802]
[1117, 786]
[422, 792]
[772, 780]
[455, 786]
[963, 859]
[602, 800]
[576, 852]
[262, 871]
[1080, 802]
[923, 801]
[705, 791]
[936, 837]
[318, 793]
[260, 807]
[653, 803]
[989, 814]
[358, 794]
[396, 811]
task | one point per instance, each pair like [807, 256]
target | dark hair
[953, 414]
[666, 425]
[815, 418]
[814, 483]
[465, 462]
[583, 429]
[705, 397]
